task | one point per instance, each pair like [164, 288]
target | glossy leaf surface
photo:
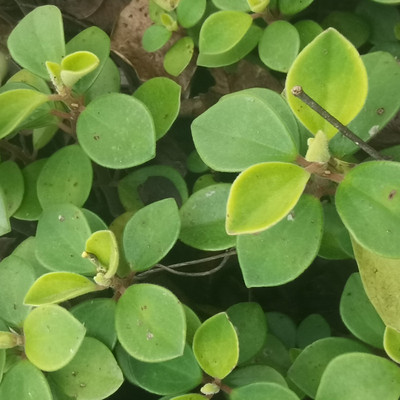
[124, 135]
[359, 315]
[60, 240]
[92, 374]
[368, 201]
[162, 97]
[216, 346]
[42, 25]
[307, 369]
[242, 121]
[104, 247]
[262, 391]
[282, 252]
[52, 337]
[323, 69]
[263, 195]
[203, 219]
[358, 376]
[178, 375]
[17, 276]
[25, 382]
[56, 287]
[251, 327]
[16, 105]
[279, 46]
[98, 317]
[150, 323]
[380, 277]
[146, 241]
[65, 178]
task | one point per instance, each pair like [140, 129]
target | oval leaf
[358, 376]
[392, 343]
[124, 135]
[56, 287]
[216, 346]
[203, 219]
[262, 195]
[12, 184]
[65, 178]
[42, 25]
[190, 12]
[16, 105]
[92, 374]
[77, 65]
[151, 233]
[52, 337]
[150, 323]
[262, 391]
[242, 121]
[368, 201]
[267, 260]
[178, 57]
[338, 81]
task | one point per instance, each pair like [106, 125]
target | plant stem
[298, 92]
[15, 151]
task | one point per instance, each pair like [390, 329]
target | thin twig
[15, 151]
[344, 130]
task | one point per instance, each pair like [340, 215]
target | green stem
[298, 92]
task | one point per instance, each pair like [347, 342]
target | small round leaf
[178, 56]
[262, 391]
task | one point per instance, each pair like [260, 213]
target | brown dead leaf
[126, 42]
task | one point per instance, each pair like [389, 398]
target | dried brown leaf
[126, 42]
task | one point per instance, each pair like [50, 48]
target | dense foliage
[175, 204]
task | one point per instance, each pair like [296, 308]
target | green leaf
[52, 337]
[17, 277]
[42, 25]
[307, 369]
[60, 240]
[30, 208]
[8, 340]
[236, 5]
[77, 65]
[203, 219]
[162, 98]
[216, 346]
[308, 30]
[56, 287]
[150, 323]
[248, 374]
[258, 6]
[279, 46]
[65, 178]
[251, 327]
[43, 135]
[123, 137]
[381, 105]
[335, 243]
[5, 226]
[267, 260]
[12, 184]
[192, 323]
[16, 105]
[178, 57]
[149, 184]
[95, 41]
[167, 5]
[291, 7]
[230, 55]
[332, 60]
[391, 343]
[357, 376]
[380, 277]
[371, 189]
[104, 247]
[92, 374]
[170, 377]
[263, 195]
[283, 327]
[262, 391]
[151, 233]
[155, 37]
[190, 396]
[25, 382]
[312, 328]
[242, 121]
[190, 12]
[98, 317]
[359, 315]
